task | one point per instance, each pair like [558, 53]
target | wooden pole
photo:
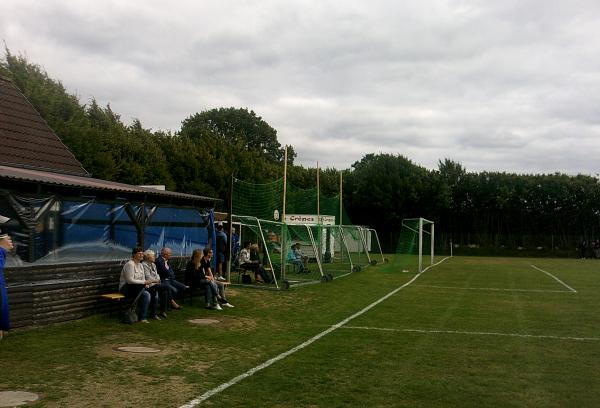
[318, 197]
[341, 206]
[284, 227]
[284, 182]
[229, 230]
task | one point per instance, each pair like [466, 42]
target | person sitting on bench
[217, 288]
[295, 258]
[133, 281]
[159, 291]
[250, 261]
[167, 275]
[195, 277]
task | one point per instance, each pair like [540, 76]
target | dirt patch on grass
[138, 390]
[264, 299]
[228, 322]
[109, 350]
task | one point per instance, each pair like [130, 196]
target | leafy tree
[239, 127]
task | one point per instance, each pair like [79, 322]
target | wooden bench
[240, 271]
[114, 297]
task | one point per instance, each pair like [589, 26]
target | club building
[74, 232]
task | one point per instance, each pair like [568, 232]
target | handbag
[130, 315]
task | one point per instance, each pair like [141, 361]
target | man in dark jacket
[167, 275]
[222, 252]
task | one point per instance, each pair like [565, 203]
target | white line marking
[296, 285]
[555, 278]
[308, 342]
[494, 289]
[341, 276]
[535, 336]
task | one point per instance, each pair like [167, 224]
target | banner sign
[311, 219]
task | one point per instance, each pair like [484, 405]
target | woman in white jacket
[133, 281]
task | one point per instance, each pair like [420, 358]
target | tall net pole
[432, 239]
[341, 206]
[284, 182]
[230, 231]
[284, 229]
[318, 198]
[420, 244]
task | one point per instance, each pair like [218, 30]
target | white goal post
[421, 227]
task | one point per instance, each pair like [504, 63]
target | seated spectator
[273, 242]
[217, 288]
[196, 278]
[167, 275]
[300, 255]
[250, 261]
[294, 257]
[159, 291]
[255, 257]
[132, 282]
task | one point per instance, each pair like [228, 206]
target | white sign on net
[309, 219]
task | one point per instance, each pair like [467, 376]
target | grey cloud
[495, 85]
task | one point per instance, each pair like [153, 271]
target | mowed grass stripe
[533, 336]
[496, 289]
[510, 311]
[281, 356]
[376, 369]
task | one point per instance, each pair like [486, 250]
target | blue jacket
[164, 272]
[4, 311]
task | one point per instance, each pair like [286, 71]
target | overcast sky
[511, 85]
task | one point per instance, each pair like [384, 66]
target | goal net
[415, 246]
[304, 227]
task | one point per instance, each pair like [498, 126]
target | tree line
[484, 212]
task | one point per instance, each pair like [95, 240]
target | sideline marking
[341, 276]
[535, 336]
[495, 289]
[308, 342]
[555, 278]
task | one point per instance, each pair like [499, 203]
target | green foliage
[238, 127]
[394, 186]
[211, 146]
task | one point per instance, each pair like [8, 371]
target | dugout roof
[26, 138]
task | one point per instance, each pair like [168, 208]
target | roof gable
[27, 140]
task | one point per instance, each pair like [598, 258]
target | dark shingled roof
[30, 152]
[27, 140]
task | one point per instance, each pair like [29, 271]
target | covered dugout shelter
[73, 232]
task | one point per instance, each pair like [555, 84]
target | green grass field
[469, 332]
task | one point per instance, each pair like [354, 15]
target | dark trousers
[131, 291]
[175, 287]
[257, 269]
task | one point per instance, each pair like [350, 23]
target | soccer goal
[416, 243]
